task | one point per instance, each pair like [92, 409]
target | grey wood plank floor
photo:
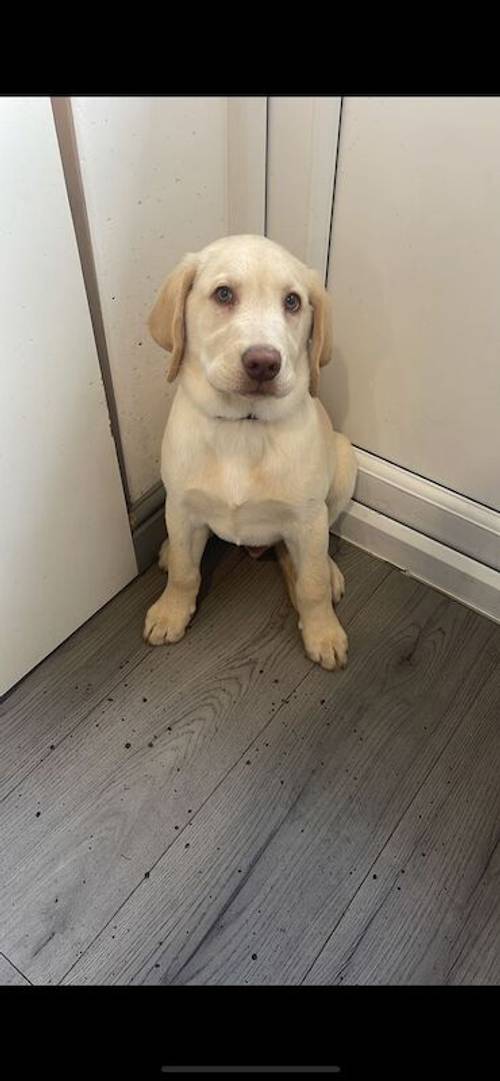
[223, 811]
[9, 976]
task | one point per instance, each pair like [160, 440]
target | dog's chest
[248, 483]
[241, 504]
[242, 499]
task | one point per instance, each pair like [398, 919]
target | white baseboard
[465, 579]
[454, 520]
[147, 538]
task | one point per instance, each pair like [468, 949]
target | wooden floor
[224, 811]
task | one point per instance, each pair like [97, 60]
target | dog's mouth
[249, 388]
[260, 390]
[266, 388]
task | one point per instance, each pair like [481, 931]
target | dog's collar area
[249, 416]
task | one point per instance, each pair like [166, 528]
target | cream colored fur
[281, 478]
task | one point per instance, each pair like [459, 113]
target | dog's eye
[292, 302]
[224, 295]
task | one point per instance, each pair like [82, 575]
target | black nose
[261, 362]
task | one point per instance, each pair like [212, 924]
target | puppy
[249, 452]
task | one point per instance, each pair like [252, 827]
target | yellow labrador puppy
[249, 452]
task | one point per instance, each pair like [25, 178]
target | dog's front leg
[324, 638]
[167, 619]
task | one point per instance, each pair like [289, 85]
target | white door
[415, 283]
[66, 546]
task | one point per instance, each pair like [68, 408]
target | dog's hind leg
[344, 477]
[285, 561]
[288, 570]
[339, 496]
[163, 556]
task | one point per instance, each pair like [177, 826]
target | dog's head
[253, 318]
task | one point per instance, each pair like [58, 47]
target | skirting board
[422, 557]
[148, 538]
[454, 520]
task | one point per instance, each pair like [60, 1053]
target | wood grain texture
[223, 811]
[84, 829]
[427, 913]
[475, 953]
[293, 829]
[9, 975]
[57, 695]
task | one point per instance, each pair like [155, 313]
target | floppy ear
[320, 342]
[166, 322]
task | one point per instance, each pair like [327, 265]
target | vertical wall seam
[66, 137]
[266, 167]
[335, 173]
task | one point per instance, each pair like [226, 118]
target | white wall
[157, 175]
[65, 542]
[302, 144]
[415, 282]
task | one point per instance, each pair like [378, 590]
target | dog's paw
[337, 582]
[165, 623]
[327, 646]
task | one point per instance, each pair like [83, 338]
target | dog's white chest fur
[238, 519]
[241, 478]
